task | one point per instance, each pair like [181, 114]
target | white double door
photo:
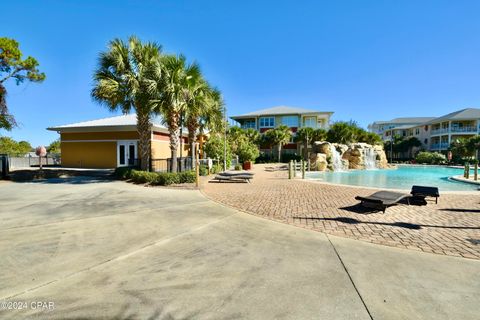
[127, 153]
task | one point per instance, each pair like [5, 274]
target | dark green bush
[143, 176]
[123, 172]
[155, 178]
[217, 168]
[203, 170]
[167, 178]
[187, 177]
[238, 167]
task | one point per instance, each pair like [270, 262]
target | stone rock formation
[354, 156]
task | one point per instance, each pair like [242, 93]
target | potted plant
[247, 152]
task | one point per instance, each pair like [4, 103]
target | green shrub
[123, 172]
[216, 168]
[187, 177]
[238, 167]
[203, 170]
[143, 177]
[430, 158]
[247, 151]
[167, 178]
[155, 178]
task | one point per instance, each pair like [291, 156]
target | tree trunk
[174, 142]
[279, 152]
[144, 126]
[305, 149]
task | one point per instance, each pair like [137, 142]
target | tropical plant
[465, 147]
[12, 66]
[305, 135]
[342, 132]
[215, 149]
[203, 106]
[319, 134]
[430, 158]
[247, 151]
[173, 83]
[125, 79]
[279, 136]
[252, 135]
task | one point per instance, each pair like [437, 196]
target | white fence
[25, 162]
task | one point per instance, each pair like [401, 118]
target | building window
[249, 124]
[290, 121]
[417, 131]
[267, 122]
[425, 141]
[310, 122]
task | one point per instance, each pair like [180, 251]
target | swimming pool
[401, 178]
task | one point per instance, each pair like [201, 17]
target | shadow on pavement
[406, 225]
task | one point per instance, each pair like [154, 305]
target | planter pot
[247, 165]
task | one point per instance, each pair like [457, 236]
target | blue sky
[365, 60]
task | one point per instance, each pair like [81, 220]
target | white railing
[439, 146]
[464, 129]
[439, 131]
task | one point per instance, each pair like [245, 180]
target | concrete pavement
[118, 251]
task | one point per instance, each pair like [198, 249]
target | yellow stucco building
[111, 142]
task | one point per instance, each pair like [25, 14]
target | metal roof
[128, 120]
[280, 110]
[408, 120]
[464, 114]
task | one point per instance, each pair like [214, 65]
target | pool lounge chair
[382, 199]
[421, 192]
[232, 178]
[236, 173]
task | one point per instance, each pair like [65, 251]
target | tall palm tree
[280, 136]
[204, 108]
[125, 80]
[172, 97]
[305, 135]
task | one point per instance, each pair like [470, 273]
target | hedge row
[155, 178]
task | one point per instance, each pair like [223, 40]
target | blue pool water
[401, 178]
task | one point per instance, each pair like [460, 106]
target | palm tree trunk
[279, 152]
[174, 142]
[144, 126]
[305, 150]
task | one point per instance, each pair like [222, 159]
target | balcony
[439, 146]
[439, 131]
[464, 130]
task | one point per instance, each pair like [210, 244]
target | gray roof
[409, 120]
[464, 114]
[279, 111]
[123, 120]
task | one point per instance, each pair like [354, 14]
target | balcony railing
[439, 146]
[439, 131]
[464, 129]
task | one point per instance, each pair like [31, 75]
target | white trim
[127, 144]
[106, 140]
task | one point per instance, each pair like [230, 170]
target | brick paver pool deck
[451, 227]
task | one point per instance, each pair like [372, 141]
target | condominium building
[436, 134]
[294, 118]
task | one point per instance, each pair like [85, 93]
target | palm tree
[172, 97]
[305, 135]
[125, 80]
[341, 132]
[280, 136]
[319, 135]
[204, 108]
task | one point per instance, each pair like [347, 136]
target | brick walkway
[451, 227]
